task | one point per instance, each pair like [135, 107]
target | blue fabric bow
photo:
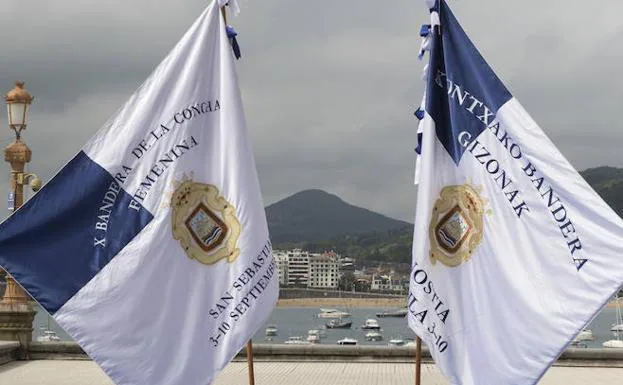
[231, 34]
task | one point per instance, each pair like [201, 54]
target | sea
[297, 321]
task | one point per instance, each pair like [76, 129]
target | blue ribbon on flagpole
[231, 34]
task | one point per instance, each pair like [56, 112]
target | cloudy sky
[329, 87]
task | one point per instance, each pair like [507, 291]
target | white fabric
[521, 297]
[150, 317]
[233, 5]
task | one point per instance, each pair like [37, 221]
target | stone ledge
[292, 353]
[9, 351]
[56, 351]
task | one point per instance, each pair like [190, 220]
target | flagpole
[224, 13]
[250, 362]
[418, 359]
[250, 343]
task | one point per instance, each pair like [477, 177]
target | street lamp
[17, 154]
[18, 100]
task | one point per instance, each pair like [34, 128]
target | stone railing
[279, 352]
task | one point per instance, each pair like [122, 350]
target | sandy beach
[344, 302]
[388, 303]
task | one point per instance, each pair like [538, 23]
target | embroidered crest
[204, 222]
[456, 225]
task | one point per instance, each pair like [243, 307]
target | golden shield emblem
[204, 222]
[456, 225]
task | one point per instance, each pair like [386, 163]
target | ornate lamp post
[16, 314]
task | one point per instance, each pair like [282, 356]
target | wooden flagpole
[224, 13]
[250, 343]
[418, 359]
[250, 362]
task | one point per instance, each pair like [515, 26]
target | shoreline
[358, 303]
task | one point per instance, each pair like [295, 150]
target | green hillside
[317, 221]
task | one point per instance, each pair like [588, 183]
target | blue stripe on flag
[463, 92]
[50, 245]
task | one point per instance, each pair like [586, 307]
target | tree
[347, 281]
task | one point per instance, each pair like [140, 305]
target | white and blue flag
[513, 252]
[150, 247]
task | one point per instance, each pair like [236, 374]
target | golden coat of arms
[456, 225]
[204, 222]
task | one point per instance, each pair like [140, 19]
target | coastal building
[347, 264]
[298, 268]
[386, 283]
[281, 260]
[324, 271]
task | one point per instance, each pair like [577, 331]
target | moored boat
[396, 313]
[296, 340]
[339, 324]
[374, 336]
[585, 335]
[48, 335]
[396, 342]
[333, 313]
[617, 344]
[271, 330]
[347, 341]
[314, 336]
[371, 324]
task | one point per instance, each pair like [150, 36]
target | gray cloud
[329, 88]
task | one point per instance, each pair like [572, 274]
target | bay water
[297, 321]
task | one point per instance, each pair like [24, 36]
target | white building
[324, 271]
[281, 260]
[385, 283]
[298, 267]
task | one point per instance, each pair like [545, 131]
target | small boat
[396, 313]
[374, 336]
[48, 335]
[271, 330]
[314, 336]
[617, 344]
[371, 324]
[333, 313]
[347, 341]
[296, 340]
[585, 335]
[617, 328]
[397, 342]
[339, 324]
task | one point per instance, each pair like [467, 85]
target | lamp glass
[17, 113]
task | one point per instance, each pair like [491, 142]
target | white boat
[347, 341]
[374, 336]
[396, 342]
[617, 328]
[296, 340]
[314, 336]
[271, 330]
[585, 335]
[333, 313]
[371, 324]
[48, 336]
[617, 344]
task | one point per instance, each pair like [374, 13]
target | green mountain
[317, 221]
[608, 183]
[315, 215]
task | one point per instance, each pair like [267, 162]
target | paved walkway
[51, 372]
